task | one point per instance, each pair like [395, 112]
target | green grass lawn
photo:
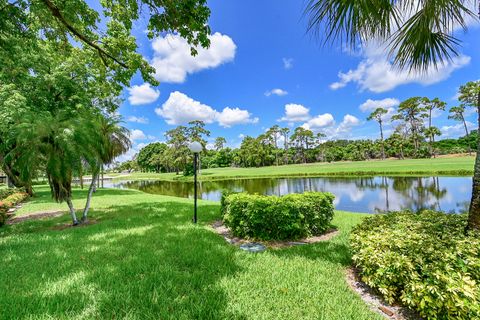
[144, 259]
[438, 166]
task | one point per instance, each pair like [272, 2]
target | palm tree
[419, 33]
[378, 115]
[432, 131]
[111, 141]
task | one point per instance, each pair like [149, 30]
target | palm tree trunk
[89, 197]
[474, 212]
[72, 211]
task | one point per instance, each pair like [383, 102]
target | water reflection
[362, 194]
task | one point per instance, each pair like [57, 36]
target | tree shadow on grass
[332, 250]
[145, 261]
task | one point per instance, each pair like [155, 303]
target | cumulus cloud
[134, 119]
[319, 122]
[377, 74]
[277, 92]
[137, 134]
[142, 94]
[348, 123]
[456, 130]
[181, 109]
[295, 113]
[173, 62]
[370, 105]
[287, 63]
[233, 116]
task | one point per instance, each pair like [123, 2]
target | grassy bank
[439, 166]
[144, 259]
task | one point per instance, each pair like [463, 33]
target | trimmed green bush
[292, 216]
[423, 260]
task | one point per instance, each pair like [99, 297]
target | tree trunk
[381, 139]
[72, 212]
[474, 212]
[466, 135]
[89, 197]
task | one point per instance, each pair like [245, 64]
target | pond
[360, 194]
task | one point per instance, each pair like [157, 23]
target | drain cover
[253, 247]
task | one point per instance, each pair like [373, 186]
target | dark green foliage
[188, 171]
[423, 260]
[460, 145]
[293, 216]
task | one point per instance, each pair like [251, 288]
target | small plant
[423, 260]
[292, 216]
[10, 201]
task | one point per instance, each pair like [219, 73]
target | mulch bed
[222, 230]
[375, 302]
[36, 216]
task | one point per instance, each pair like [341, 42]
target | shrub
[7, 192]
[423, 260]
[9, 202]
[291, 216]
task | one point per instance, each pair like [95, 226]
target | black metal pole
[195, 159]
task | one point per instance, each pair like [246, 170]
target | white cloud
[377, 74]
[370, 105]
[347, 124]
[241, 136]
[287, 63]
[142, 94]
[173, 62]
[142, 120]
[232, 116]
[277, 92]
[319, 122]
[181, 109]
[295, 113]
[457, 130]
[137, 134]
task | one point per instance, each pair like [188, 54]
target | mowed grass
[439, 166]
[144, 259]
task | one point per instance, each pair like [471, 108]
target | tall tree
[220, 143]
[416, 41]
[274, 132]
[303, 139]
[285, 132]
[411, 111]
[378, 115]
[178, 139]
[458, 114]
[431, 131]
[469, 95]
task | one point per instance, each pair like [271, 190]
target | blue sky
[262, 63]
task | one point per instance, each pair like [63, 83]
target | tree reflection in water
[361, 194]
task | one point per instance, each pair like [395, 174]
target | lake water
[361, 194]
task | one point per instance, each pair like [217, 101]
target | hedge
[292, 216]
[10, 201]
[423, 260]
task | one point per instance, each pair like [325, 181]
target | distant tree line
[414, 135]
